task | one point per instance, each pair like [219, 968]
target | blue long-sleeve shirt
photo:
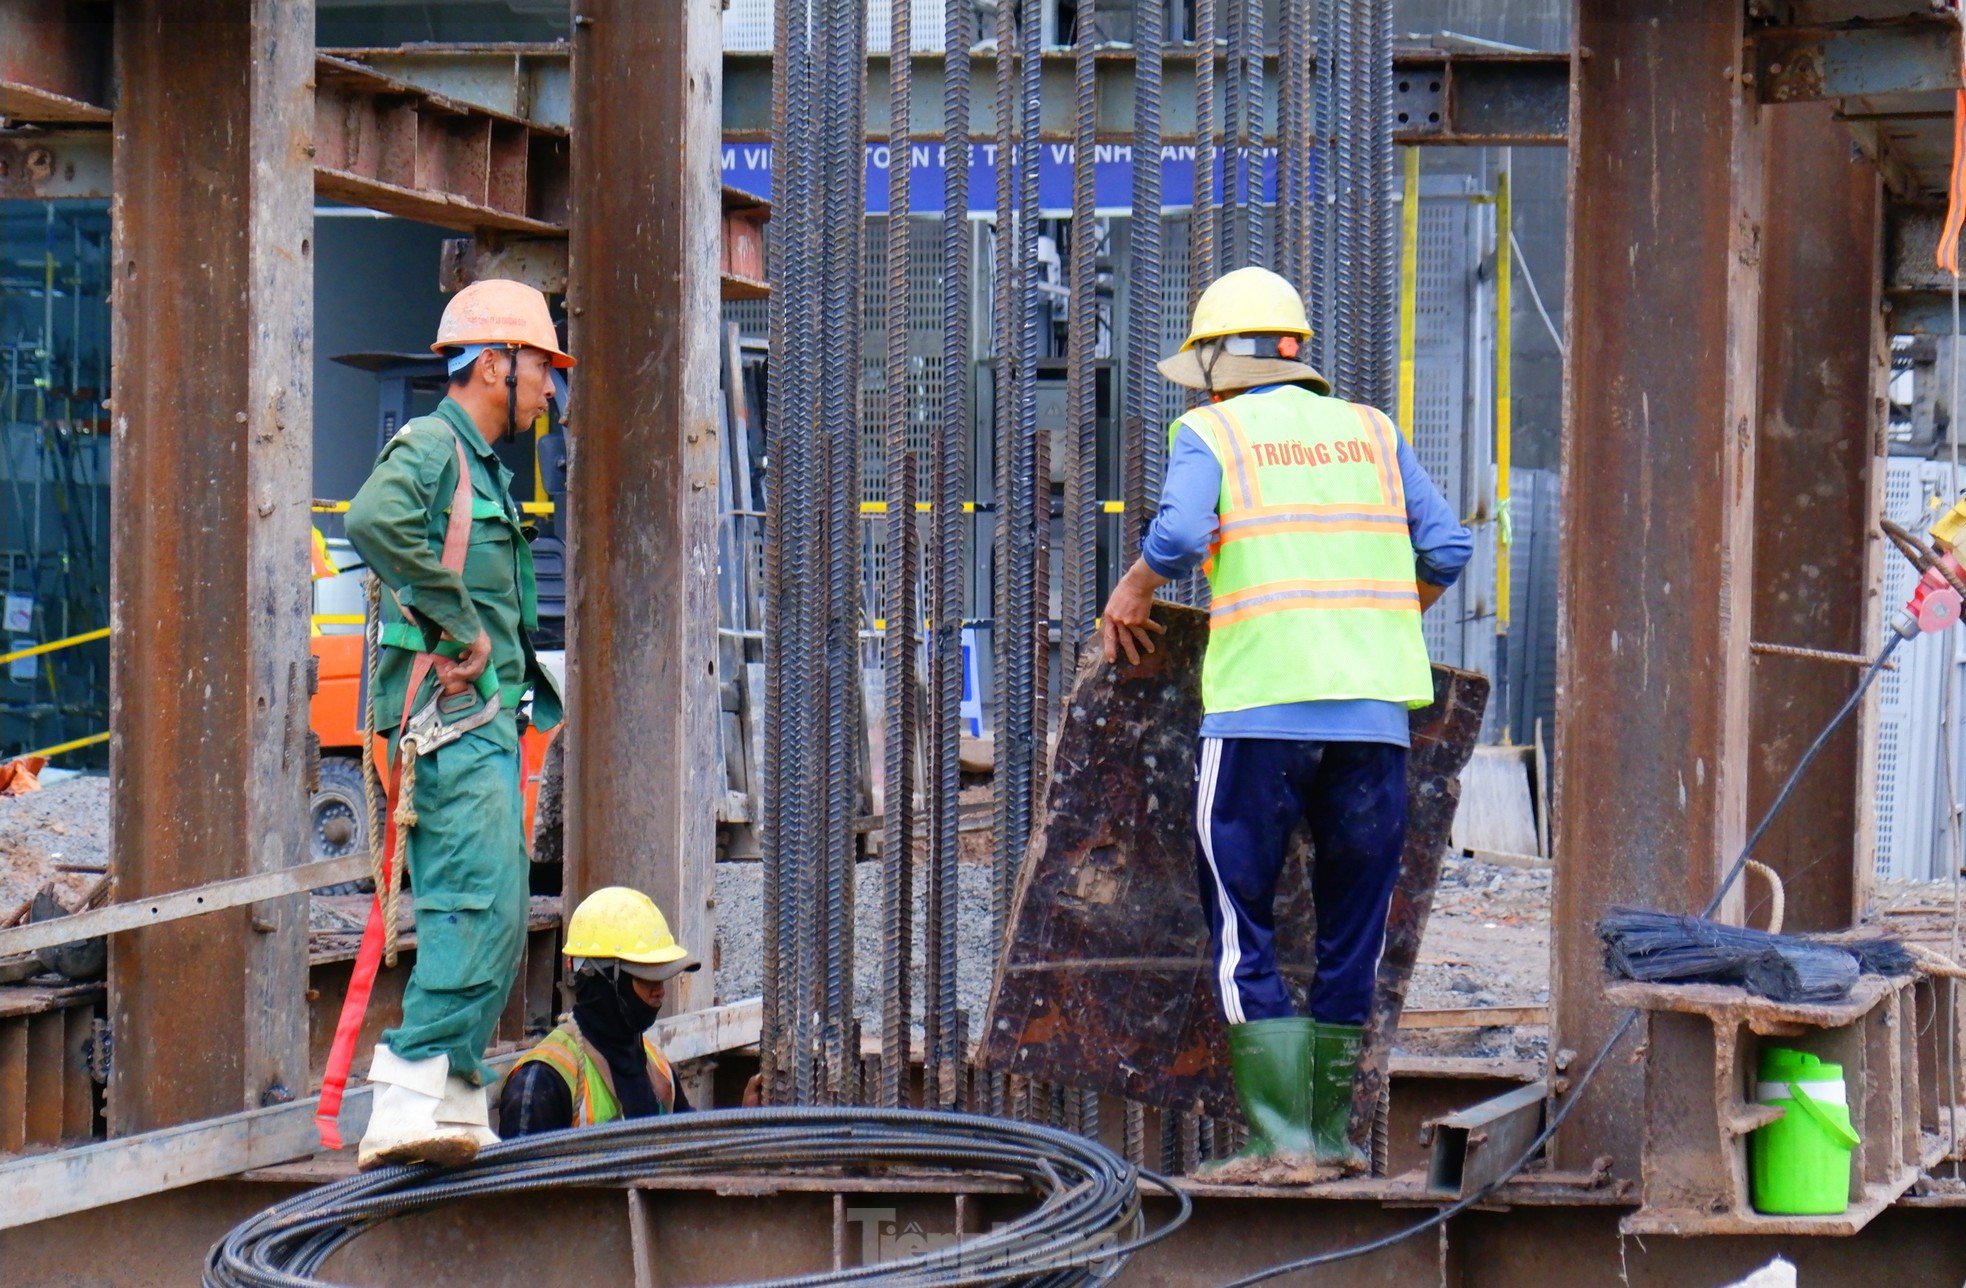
[1178, 541]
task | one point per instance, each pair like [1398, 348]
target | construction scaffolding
[973, 482]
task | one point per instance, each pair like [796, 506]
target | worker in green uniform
[466, 853]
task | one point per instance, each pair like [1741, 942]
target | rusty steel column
[1819, 483]
[643, 773]
[1658, 500]
[213, 458]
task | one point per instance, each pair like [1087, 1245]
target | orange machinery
[338, 815]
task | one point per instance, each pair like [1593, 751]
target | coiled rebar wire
[944, 1046]
[898, 688]
[1088, 1219]
[1143, 402]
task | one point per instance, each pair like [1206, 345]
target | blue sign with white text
[749, 166]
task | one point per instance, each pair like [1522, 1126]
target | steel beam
[39, 165]
[1819, 478]
[1651, 766]
[213, 408]
[642, 764]
[1808, 64]
[1438, 97]
[54, 61]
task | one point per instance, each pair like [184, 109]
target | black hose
[1625, 1021]
[1087, 1221]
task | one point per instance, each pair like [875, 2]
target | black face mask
[613, 1017]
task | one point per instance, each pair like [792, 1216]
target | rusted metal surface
[1818, 481]
[643, 770]
[213, 453]
[54, 61]
[1105, 981]
[391, 146]
[707, 1235]
[1655, 592]
[41, 165]
[1457, 97]
[1703, 1042]
[1912, 54]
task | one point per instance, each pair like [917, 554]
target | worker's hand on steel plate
[754, 1091]
[1127, 626]
[458, 676]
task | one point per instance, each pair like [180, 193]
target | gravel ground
[740, 935]
[64, 822]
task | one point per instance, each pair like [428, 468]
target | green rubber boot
[1334, 1065]
[1272, 1064]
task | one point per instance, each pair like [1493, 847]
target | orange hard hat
[496, 311]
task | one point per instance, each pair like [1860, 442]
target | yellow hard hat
[496, 311]
[1252, 324]
[1248, 301]
[616, 923]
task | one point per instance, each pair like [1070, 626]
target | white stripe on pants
[1229, 953]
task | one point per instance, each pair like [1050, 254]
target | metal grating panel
[924, 322]
[1908, 705]
[1452, 410]
[748, 26]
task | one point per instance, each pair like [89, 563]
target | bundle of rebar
[813, 609]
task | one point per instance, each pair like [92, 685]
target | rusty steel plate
[1104, 982]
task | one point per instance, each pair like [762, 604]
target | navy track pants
[1250, 795]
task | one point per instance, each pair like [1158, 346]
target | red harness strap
[341, 1056]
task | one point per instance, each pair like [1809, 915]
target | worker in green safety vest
[599, 1064]
[457, 613]
[1323, 540]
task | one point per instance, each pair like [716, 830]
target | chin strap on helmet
[512, 392]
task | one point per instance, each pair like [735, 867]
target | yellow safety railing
[76, 745]
[52, 646]
[1409, 289]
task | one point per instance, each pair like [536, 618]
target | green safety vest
[589, 1079]
[1312, 574]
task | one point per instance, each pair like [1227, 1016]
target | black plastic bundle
[1658, 947]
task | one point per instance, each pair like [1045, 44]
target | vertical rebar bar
[1143, 382]
[944, 1054]
[1080, 579]
[898, 687]
[771, 1045]
[1235, 138]
[1255, 219]
[1201, 219]
[794, 665]
[844, 126]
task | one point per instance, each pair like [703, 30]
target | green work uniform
[467, 852]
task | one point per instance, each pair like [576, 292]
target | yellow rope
[1777, 897]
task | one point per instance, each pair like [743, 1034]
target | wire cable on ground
[1087, 1222]
[1625, 1021]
